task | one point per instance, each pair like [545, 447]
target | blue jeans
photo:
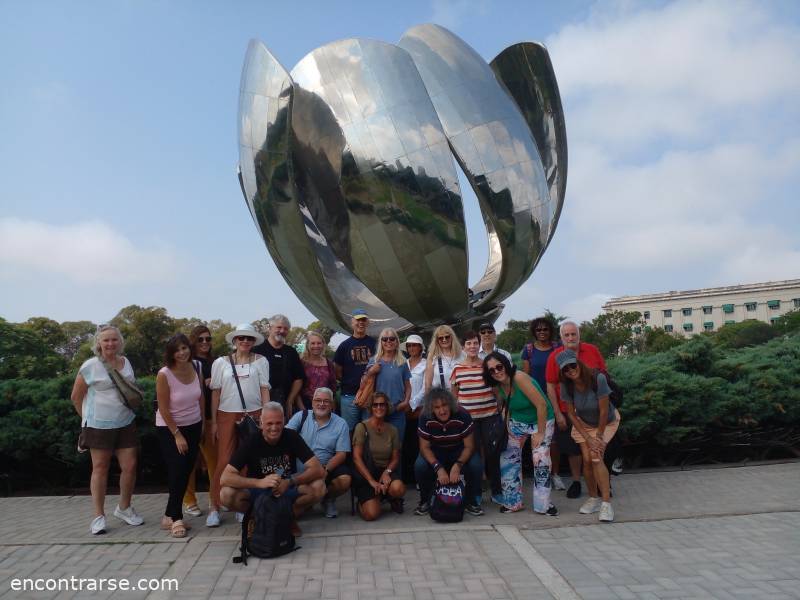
[472, 471]
[350, 412]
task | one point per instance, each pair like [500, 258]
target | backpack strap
[303, 421]
[441, 373]
[238, 385]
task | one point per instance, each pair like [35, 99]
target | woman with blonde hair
[107, 425]
[319, 370]
[392, 377]
[444, 354]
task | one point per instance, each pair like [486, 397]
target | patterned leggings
[511, 467]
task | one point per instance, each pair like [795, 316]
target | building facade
[708, 309]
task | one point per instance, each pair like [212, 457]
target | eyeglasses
[443, 338]
[499, 368]
[379, 405]
[571, 367]
[322, 401]
[203, 338]
[486, 331]
[389, 338]
[246, 338]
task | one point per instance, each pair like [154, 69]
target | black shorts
[342, 469]
[364, 491]
[564, 441]
[109, 439]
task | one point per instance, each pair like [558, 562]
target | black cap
[485, 325]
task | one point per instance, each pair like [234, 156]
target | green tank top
[522, 409]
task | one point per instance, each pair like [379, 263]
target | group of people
[459, 412]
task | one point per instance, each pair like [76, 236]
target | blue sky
[118, 148]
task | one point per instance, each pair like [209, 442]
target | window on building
[646, 313]
[796, 302]
[727, 308]
[729, 322]
[688, 327]
[774, 304]
[750, 306]
[637, 329]
[668, 313]
[708, 326]
[668, 328]
[687, 312]
[773, 320]
[707, 310]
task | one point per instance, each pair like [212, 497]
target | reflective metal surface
[495, 148]
[347, 169]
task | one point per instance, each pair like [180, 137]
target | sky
[118, 148]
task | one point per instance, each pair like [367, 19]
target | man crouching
[269, 460]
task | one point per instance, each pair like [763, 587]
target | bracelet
[436, 467]
[177, 431]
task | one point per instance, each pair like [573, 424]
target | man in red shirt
[562, 440]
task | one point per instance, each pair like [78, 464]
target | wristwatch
[389, 471]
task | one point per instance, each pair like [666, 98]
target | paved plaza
[706, 533]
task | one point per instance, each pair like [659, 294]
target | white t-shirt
[102, 405]
[417, 383]
[252, 377]
[448, 364]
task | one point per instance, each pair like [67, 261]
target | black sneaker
[551, 511]
[505, 510]
[397, 505]
[474, 510]
[574, 490]
[423, 508]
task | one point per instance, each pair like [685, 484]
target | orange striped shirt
[474, 395]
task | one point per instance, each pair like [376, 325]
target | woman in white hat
[416, 364]
[252, 371]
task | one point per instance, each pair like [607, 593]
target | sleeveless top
[521, 408]
[184, 400]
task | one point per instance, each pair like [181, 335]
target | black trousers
[490, 456]
[179, 466]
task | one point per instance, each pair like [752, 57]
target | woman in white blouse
[252, 371]
[444, 353]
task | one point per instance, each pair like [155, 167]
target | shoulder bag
[365, 391]
[247, 427]
[131, 396]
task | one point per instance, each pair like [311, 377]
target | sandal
[167, 523]
[178, 529]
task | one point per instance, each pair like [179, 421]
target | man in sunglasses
[350, 362]
[590, 355]
[488, 341]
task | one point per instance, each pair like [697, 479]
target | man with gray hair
[271, 461]
[590, 355]
[286, 373]
[328, 436]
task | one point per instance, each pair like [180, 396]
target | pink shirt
[184, 400]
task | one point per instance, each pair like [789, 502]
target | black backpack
[266, 530]
[447, 503]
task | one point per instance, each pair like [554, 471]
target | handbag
[498, 431]
[365, 391]
[247, 427]
[131, 396]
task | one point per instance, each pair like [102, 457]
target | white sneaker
[239, 517]
[212, 520]
[193, 510]
[558, 483]
[617, 466]
[330, 509]
[606, 512]
[592, 505]
[224, 508]
[128, 515]
[98, 525]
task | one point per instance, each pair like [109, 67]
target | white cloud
[450, 13]
[87, 252]
[586, 308]
[639, 76]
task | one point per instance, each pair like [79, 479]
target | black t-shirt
[285, 366]
[262, 459]
[205, 369]
[352, 355]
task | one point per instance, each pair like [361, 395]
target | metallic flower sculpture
[346, 165]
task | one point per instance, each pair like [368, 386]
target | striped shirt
[474, 395]
[446, 438]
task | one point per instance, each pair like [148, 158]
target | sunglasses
[496, 369]
[572, 367]
[443, 338]
[389, 338]
[485, 331]
[204, 338]
[246, 338]
[539, 329]
[379, 405]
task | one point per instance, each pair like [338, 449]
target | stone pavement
[706, 533]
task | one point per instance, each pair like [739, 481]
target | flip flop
[178, 529]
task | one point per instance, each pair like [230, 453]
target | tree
[323, 330]
[25, 355]
[747, 333]
[788, 323]
[614, 332]
[514, 336]
[76, 334]
[146, 331]
[658, 340]
[555, 321]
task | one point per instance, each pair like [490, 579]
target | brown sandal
[178, 529]
[167, 523]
